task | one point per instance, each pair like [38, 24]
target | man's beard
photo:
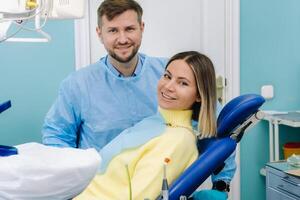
[124, 60]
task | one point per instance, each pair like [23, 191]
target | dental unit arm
[237, 116]
[19, 12]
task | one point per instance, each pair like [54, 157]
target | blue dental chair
[239, 114]
[235, 118]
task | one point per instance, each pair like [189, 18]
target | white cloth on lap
[43, 172]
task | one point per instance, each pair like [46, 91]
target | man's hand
[209, 194]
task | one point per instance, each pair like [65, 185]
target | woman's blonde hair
[204, 111]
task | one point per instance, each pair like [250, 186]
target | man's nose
[123, 38]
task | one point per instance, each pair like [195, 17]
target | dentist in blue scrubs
[98, 102]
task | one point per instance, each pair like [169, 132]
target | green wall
[270, 54]
[30, 74]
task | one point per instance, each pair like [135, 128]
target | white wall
[172, 26]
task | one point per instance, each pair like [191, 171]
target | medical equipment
[8, 150]
[20, 12]
[294, 160]
[165, 186]
[129, 181]
[4, 106]
[241, 111]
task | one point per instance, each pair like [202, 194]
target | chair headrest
[237, 111]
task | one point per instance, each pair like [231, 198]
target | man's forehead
[127, 18]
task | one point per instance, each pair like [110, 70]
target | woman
[132, 164]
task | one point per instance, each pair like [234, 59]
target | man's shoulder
[90, 68]
[87, 70]
[85, 73]
[155, 64]
[154, 59]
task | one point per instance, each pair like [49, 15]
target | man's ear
[142, 26]
[99, 33]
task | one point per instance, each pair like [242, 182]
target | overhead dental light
[18, 13]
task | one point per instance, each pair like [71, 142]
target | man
[98, 102]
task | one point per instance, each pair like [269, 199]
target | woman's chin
[164, 106]
[168, 106]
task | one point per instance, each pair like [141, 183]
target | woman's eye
[183, 83]
[167, 76]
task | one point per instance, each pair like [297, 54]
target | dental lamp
[19, 12]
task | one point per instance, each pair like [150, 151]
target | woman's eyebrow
[179, 77]
[168, 72]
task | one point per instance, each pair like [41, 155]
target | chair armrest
[202, 168]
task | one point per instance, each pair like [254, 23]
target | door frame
[232, 63]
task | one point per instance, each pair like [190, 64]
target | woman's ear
[198, 99]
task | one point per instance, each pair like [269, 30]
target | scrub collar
[136, 72]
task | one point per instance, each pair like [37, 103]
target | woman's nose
[170, 85]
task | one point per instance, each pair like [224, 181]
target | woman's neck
[177, 117]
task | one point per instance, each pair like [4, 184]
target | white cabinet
[280, 185]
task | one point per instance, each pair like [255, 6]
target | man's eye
[130, 29]
[112, 31]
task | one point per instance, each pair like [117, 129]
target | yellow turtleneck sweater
[145, 163]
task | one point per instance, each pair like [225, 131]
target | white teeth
[123, 47]
[167, 96]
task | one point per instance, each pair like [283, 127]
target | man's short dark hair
[113, 8]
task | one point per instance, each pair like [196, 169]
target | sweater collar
[181, 118]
